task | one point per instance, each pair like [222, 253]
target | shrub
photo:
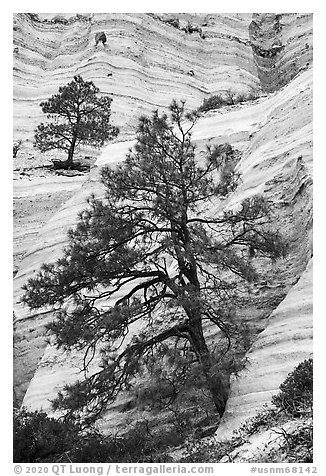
[190, 28]
[299, 445]
[16, 146]
[34, 17]
[230, 98]
[213, 102]
[59, 19]
[38, 437]
[131, 447]
[296, 392]
[173, 22]
[138, 445]
[266, 418]
[209, 451]
[296, 447]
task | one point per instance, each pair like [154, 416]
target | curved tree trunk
[217, 387]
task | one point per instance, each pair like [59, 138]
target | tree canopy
[79, 116]
[152, 264]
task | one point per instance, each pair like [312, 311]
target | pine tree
[79, 116]
[150, 264]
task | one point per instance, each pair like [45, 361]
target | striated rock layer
[150, 60]
[282, 46]
[286, 341]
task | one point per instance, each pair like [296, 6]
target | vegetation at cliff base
[289, 417]
[43, 439]
[38, 437]
[296, 392]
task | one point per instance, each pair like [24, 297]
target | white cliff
[150, 61]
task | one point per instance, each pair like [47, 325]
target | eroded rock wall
[150, 60]
[282, 47]
[286, 341]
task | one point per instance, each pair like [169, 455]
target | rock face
[149, 60]
[286, 341]
[149, 57]
[281, 45]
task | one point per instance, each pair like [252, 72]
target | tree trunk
[71, 153]
[217, 387]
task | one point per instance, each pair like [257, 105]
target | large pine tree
[151, 264]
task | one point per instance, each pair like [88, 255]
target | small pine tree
[79, 116]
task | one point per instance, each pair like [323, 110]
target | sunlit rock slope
[150, 61]
[286, 341]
